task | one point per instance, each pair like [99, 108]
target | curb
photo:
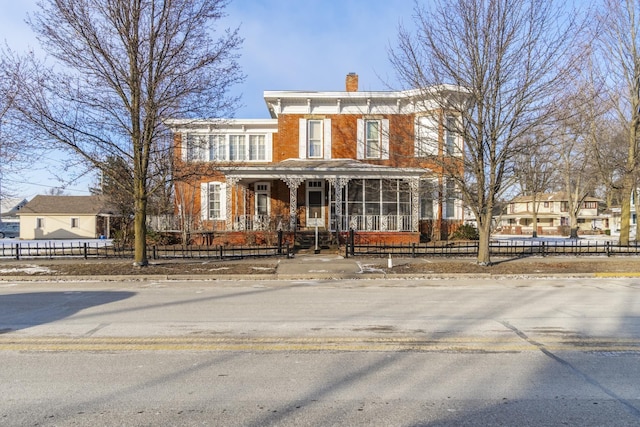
[315, 276]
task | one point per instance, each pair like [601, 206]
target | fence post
[346, 247]
[413, 250]
[543, 251]
[221, 253]
[352, 239]
[155, 252]
[18, 251]
[607, 249]
[280, 242]
[84, 250]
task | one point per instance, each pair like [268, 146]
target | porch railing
[377, 222]
[281, 222]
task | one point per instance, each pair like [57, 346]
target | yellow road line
[310, 344]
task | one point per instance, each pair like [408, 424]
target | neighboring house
[65, 217]
[9, 221]
[336, 160]
[553, 215]
[9, 208]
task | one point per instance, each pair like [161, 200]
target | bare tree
[510, 57]
[121, 66]
[619, 43]
[534, 171]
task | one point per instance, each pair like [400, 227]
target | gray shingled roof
[75, 205]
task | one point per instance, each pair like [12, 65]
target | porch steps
[307, 239]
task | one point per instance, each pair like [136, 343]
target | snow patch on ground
[29, 269]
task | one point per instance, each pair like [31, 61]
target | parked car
[9, 229]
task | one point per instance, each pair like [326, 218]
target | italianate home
[371, 162]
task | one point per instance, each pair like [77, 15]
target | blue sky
[289, 45]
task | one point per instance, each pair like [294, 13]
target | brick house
[336, 160]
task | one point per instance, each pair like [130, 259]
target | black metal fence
[496, 248]
[88, 250]
[504, 248]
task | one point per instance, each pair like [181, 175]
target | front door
[315, 203]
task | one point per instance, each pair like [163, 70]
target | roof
[551, 197]
[334, 168]
[10, 206]
[74, 205]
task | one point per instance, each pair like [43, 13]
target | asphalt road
[527, 352]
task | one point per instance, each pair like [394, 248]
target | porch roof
[318, 169]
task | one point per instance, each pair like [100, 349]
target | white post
[316, 221]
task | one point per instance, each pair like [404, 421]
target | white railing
[259, 223]
[377, 222]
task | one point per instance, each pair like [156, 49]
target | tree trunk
[140, 227]
[484, 233]
[625, 216]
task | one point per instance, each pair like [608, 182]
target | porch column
[338, 185]
[231, 183]
[293, 183]
[414, 185]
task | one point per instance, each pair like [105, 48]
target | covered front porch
[333, 195]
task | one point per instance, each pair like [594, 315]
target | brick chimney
[352, 82]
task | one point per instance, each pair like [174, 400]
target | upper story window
[373, 139]
[451, 136]
[257, 147]
[590, 205]
[314, 139]
[426, 136]
[372, 148]
[227, 147]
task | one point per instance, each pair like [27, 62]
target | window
[450, 201]
[237, 148]
[227, 147]
[426, 136]
[590, 205]
[372, 139]
[564, 206]
[314, 139]
[257, 147]
[75, 222]
[427, 196]
[451, 136]
[262, 191]
[213, 200]
[217, 148]
[39, 222]
[196, 146]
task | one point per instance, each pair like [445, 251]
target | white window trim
[77, 222]
[204, 200]
[457, 143]
[311, 221]
[267, 191]
[203, 153]
[303, 142]
[362, 139]
[426, 136]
